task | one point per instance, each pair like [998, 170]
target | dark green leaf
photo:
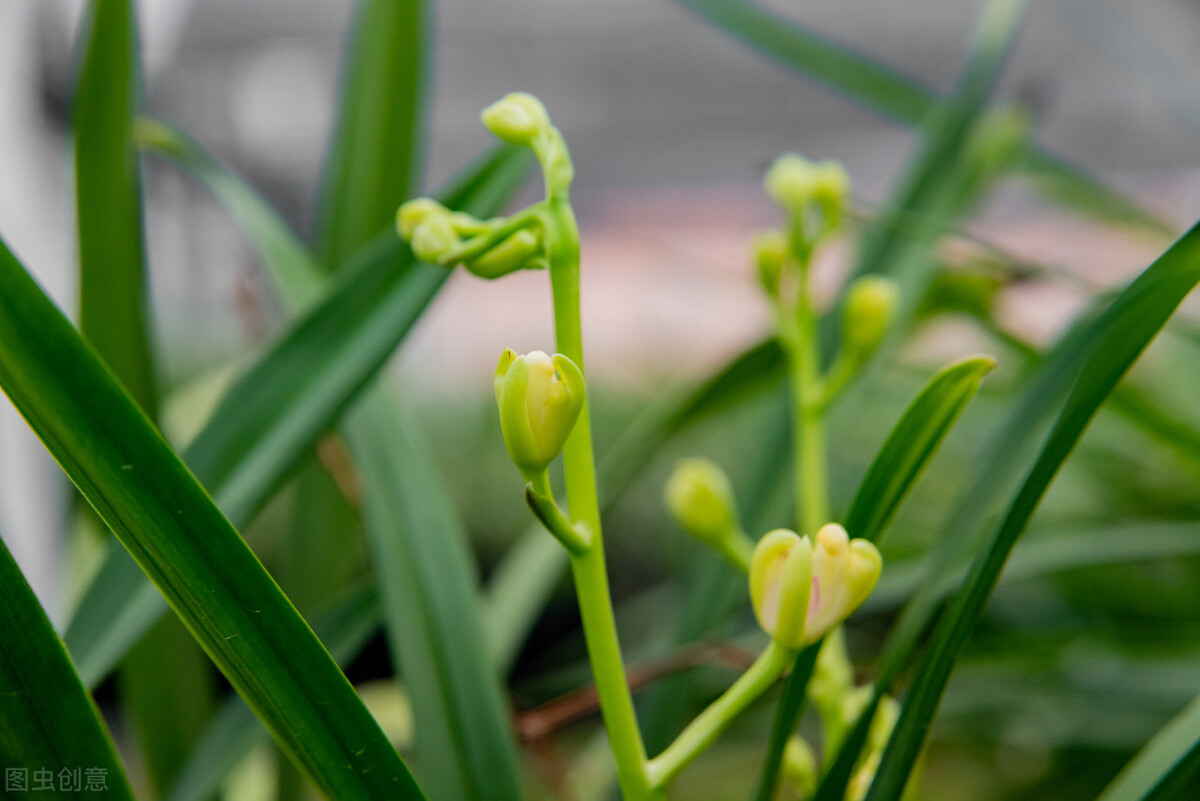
[162, 515]
[1115, 341]
[47, 719]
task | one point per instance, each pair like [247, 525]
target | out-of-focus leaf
[1166, 767]
[47, 719]
[430, 593]
[883, 89]
[912, 444]
[276, 411]
[377, 150]
[1115, 341]
[112, 282]
[158, 510]
[344, 626]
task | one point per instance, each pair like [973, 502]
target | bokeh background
[671, 124]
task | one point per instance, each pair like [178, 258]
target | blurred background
[671, 123]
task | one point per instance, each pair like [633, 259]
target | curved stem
[712, 722]
[588, 568]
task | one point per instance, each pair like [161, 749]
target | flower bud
[831, 185]
[770, 254]
[870, 305]
[800, 590]
[433, 237]
[511, 255]
[413, 212]
[540, 399]
[700, 498]
[791, 181]
[799, 766]
[517, 118]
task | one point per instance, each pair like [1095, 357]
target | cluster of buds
[540, 399]
[520, 118]
[487, 248]
[801, 589]
[700, 498]
[809, 192]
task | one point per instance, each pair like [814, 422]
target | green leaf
[162, 515]
[429, 592]
[1166, 767]
[882, 89]
[276, 411]
[1115, 341]
[912, 444]
[787, 712]
[420, 553]
[344, 625]
[47, 719]
[374, 159]
[112, 282]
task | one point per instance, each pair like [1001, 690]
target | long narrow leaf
[1166, 766]
[276, 411]
[375, 156]
[1116, 340]
[911, 444]
[158, 510]
[48, 721]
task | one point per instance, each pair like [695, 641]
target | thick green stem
[712, 722]
[588, 569]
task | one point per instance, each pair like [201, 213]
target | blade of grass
[47, 719]
[375, 156]
[1166, 766]
[158, 510]
[276, 411]
[430, 592]
[1115, 341]
[911, 445]
[883, 89]
[344, 625]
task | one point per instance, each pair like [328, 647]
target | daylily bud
[516, 118]
[800, 765]
[791, 181]
[434, 236]
[870, 305]
[801, 591]
[700, 498]
[770, 253]
[831, 184]
[511, 255]
[781, 581]
[540, 399]
[414, 212]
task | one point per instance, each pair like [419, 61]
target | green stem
[808, 426]
[588, 569]
[712, 722]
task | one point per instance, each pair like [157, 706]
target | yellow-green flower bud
[791, 181]
[781, 580]
[540, 399]
[831, 185]
[870, 305]
[700, 498]
[801, 590]
[770, 254]
[413, 212]
[433, 237]
[511, 255]
[800, 765]
[517, 118]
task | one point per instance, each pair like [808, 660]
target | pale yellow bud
[770, 254]
[791, 181]
[540, 399]
[700, 498]
[870, 305]
[517, 118]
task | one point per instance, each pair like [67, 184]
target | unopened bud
[800, 765]
[414, 212]
[540, 399]
[870, 305]
[700, 498]
[791, 181]
[433, 237]
[517, 118]
[512, 254]
[770, 254]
